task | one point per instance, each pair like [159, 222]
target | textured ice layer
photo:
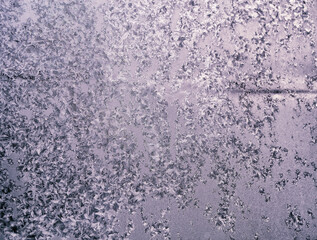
[158, 119]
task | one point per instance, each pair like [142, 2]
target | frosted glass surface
[158, 119]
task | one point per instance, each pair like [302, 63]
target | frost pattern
[158, 119]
